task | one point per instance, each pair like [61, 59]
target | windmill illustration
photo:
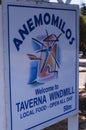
[48, 55]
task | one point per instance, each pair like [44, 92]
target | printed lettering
[39, 20]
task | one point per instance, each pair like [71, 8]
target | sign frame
[7, 5]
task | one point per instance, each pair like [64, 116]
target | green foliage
[83, 9]
[83, 30]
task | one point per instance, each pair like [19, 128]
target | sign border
[76, 63]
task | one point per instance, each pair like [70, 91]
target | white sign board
[41, 49]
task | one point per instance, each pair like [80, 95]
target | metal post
[73, 122]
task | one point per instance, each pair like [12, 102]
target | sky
[79, 2]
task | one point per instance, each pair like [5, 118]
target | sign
[41, 49]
